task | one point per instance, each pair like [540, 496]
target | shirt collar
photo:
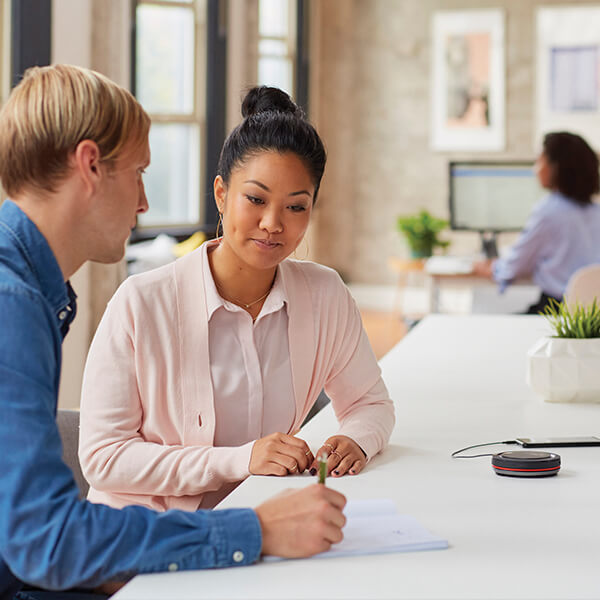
[213, 300]
[556, 195]
[39, 258]
[276, 299]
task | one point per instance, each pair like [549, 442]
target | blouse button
[238, 556]
[173, 567]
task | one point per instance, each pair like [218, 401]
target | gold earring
[219, 225]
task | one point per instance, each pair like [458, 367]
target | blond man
[73, 149]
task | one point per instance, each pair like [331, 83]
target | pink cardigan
[147, 413]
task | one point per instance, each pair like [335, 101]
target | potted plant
[421, 232]
[564, 367]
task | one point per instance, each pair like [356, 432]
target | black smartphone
[555, 442]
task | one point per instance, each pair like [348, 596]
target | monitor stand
[488, 244]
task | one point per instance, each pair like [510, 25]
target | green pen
[322, 468]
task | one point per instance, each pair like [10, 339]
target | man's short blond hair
[51, 111]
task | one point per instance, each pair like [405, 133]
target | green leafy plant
[421, 232]
[578, 322]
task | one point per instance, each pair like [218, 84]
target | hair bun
[269, 99]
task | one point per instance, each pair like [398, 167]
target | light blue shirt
[48, 536]
[560, 237]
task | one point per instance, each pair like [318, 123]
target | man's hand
[301, 523]
[279, 454]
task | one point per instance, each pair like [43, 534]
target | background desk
[485, 295]
[462, 291]
[456, 381]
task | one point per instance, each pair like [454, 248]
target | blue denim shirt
[48, 536]
[559, 237]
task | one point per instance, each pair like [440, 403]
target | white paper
[374, 527]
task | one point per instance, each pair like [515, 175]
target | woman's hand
[344, 455]
[279, 454]
[484, 268]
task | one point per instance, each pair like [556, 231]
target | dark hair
[574, 166]
[273, 122]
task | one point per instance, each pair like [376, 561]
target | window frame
[215, 88]
[198, 115]
[302, 55]
[290, 41]
[7, 51]
[30, 35]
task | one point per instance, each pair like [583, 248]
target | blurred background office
[401, 91]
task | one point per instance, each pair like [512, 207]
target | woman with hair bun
[562, 233]
[202, 372]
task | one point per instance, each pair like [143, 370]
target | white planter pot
[565, 369]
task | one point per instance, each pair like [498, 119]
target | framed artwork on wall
[468, 80]
[568, 72]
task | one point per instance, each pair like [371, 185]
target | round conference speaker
[526, 463]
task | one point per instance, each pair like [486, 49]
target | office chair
[68, 426]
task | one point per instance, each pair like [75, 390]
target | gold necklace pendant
[256, 301]
[240, 303]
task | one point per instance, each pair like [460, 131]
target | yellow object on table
[191, 243]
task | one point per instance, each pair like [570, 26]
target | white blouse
[249, 366]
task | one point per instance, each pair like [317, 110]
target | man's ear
[86, 160]
[220, 191]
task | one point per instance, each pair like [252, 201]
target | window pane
[165, 59]
[273, 17]
[276, 72]
[272, 48]
[171, 180]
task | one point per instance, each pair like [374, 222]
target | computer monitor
[492, 197]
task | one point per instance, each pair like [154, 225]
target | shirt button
[62, 315]
[173, 567]
[238, 556]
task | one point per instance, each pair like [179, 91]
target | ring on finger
[307, 453]
[294, 467]
[336, 453]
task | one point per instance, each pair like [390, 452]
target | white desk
[440, 274]
[456, 381]
[455, 272]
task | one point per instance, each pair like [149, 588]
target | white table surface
[456, 381]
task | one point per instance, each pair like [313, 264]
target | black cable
[453, 455]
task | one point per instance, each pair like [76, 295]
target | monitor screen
[492, 196]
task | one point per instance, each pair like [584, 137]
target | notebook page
[374, 526]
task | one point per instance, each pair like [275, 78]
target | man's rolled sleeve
[237, 537]
[233, 538]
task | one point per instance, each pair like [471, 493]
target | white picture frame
[568, 72]
[468, 81]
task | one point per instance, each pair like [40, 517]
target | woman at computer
[562, 233]
[202, 372]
